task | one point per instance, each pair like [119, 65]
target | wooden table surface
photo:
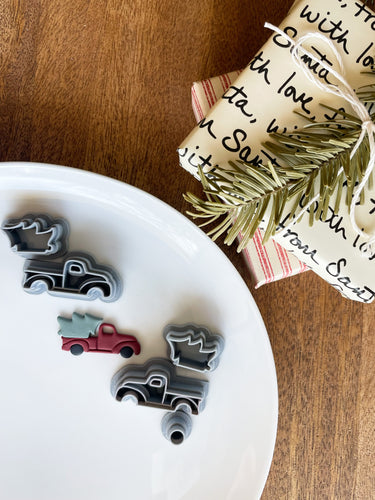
[104, 86]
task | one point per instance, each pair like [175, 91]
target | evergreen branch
[243, 194]
[367, 95]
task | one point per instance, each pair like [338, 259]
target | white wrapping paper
[263, 99]
[267, 262]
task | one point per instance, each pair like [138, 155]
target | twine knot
[343, 90]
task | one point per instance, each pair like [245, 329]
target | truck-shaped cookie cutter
[43, 241]
[156, 384]
[76, 276]
[87, 333]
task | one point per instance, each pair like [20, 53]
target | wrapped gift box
[267, 261]
[264, 98]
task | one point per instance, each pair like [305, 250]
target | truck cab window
[76, 270]
[157, 382]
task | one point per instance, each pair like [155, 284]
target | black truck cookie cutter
[156, 384]
[77, 275]
[49, 267]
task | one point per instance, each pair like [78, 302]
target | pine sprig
[237, 199]
[323, 148]
[367, 95]
[245, 193]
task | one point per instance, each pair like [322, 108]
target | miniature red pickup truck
[106, 339]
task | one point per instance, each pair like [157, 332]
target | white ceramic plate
[62, 435]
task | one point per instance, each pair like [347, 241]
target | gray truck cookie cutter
[157, 385]
[194, 347]
[76, 276]
[37, 235]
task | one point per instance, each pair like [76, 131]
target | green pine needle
[237, 199]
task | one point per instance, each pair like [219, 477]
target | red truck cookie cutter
[92, 335]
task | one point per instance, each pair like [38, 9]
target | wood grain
[105, 86]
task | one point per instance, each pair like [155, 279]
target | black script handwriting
[334, 269]
[295, 241]
[315, 67]
[274, 128]
[239, 136]
[207, 124]
[333, 220]
[238, 97]
[333, 116]
[281, 41]
[182, 152]
[234, 145]
[290, 91]
[368, 60]
[369, 16]
[199, 160]
[261, 68]
[363, 246]
[333, 29]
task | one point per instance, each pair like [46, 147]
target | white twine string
[346, 92]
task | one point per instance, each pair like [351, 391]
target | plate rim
[15, 169]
